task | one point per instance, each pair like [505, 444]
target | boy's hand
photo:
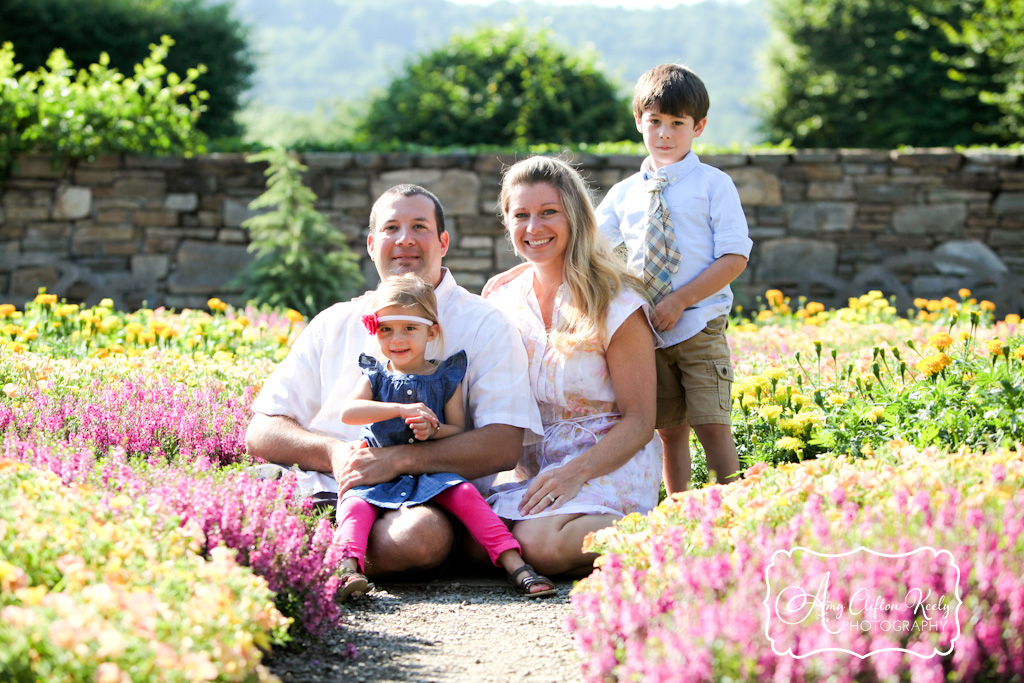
[667, 311]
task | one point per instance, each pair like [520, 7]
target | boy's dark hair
[672, 90]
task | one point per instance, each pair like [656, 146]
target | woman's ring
[550, 497]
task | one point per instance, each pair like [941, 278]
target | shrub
[79, 114]
[499, 86]
[302, 261]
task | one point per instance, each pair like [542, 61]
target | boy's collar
[673, 171]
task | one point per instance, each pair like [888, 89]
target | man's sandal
[531, 578]
[353, 585]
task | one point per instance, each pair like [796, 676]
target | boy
[687, 256]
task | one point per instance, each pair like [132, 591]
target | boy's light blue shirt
[708, 221]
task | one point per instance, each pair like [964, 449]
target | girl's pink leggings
[356, 516]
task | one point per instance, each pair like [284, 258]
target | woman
[584, 322]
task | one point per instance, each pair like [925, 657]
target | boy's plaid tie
[661, 257]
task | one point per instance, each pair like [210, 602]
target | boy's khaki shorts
[695, 379]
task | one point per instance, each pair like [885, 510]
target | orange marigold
[940, 341]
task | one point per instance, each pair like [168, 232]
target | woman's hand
[551, 489]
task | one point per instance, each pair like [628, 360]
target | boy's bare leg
[408, 539]
[719, 450]
[675, 445]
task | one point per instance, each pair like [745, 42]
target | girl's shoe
[529, 579]
[353, 585]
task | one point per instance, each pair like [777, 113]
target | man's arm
[473, 454]
[282, 440]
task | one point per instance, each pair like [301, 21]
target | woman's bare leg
[554, 545]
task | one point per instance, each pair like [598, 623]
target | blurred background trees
[499, 86]
[204, 33]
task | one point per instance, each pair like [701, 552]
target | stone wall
[827, 224]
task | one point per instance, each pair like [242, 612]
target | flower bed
[680, 595]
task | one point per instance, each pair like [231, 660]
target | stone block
[1006, 238]
[182, 201]
[112, 216]
[202, 267]
[469, 264]
[91, 177]
[784, 259]
[237, 211]
[335, 161]
[150, 266]
[505, 257]
[458, 189]
[351, 200]
[818, 191]
[27, 213]
[944, 195]
[929, 159]
[757, 187]
[476, 242]
[140, 185]
[930, 219]
[210, 219]
[9, 255]
[232, 236]
[479, 225]
[1009, 202]
[157, 218]
[36, 166]
[725, 161]
[818, 217]
[101, 233]
[25, 282]
[962, 257]
[47, 236]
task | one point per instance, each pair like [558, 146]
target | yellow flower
[770, 412]
[995, 347]
[873, 414]
[940, 341]
[106, 303]
[216, 304]
[294, 316]
[1019, 353]
[920, 303]
[773, 297]
[814, 307]
[1011, 319]
[836, 399]
[933, 365]
[867, 450]
[964, 293]
[7, 310]
[790, 443]
[987, 305]
[46, 299]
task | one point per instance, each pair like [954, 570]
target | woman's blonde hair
[592, 274]
[408, 290]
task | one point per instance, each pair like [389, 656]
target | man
[297, 418]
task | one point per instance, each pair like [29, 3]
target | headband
[371, 322]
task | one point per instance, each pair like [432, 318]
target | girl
[412, 399]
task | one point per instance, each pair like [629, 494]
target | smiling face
[405, 238]
[404, 342]
[668, 138]
[537, 224]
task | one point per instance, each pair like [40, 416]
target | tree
[994, 29]
[302, 261]
[499, 86]
[125, 29]
[875, 73]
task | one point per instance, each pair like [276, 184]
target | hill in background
[314, 52]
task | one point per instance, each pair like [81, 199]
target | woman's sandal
[532, 578]
[353, 585]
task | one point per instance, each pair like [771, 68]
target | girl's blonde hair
[408, 290]
[592, 273]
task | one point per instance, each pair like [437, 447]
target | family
[404, 404]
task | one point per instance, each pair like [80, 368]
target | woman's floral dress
[577, 404]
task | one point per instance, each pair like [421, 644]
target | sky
[630, 4]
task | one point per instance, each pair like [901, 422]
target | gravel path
[467, 629]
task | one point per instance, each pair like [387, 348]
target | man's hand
[359, 465]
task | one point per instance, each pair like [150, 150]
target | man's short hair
[672, 90]
[409, 190]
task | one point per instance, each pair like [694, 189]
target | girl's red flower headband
[372, 322]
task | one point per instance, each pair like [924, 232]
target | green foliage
[205, 34]
[499, 86]
[994, 29]
[302, 261]
[98, 110]
[873, 73]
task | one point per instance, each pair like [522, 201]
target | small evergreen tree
[302, 261]
[499, 86]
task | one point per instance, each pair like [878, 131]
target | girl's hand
[422, 427]
[415, 411]
[550, 489]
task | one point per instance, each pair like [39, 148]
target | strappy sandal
[353, 585]
[532, 578]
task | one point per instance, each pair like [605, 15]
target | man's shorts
[695, 379]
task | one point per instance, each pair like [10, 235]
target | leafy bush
[79, 114]
[205, 33]
[302, 261]
[499, 86]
